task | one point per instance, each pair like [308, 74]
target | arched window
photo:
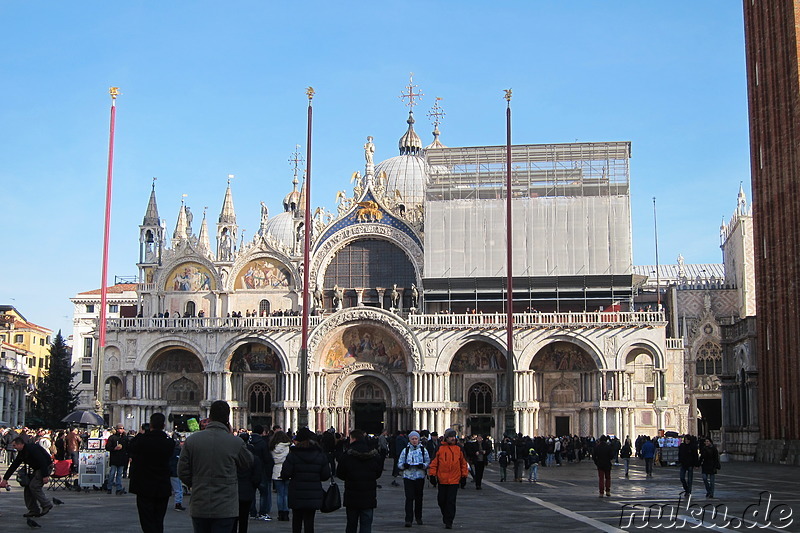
[263, 308]
[190, 308]
[260, 399]
[480, 399]
[368, 391]
[709, 360]
[182, 390]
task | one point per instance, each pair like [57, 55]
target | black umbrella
[84, 417]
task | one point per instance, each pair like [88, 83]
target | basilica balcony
[616, 320]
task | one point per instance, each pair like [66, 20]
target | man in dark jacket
[262, 507]
[688, 458]
[360, 467]
[150, 454]
[603, 455]
[117, 446]
[41, 464]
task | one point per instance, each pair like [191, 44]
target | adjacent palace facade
[408, 325]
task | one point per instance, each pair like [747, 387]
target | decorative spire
[435, 114]
[203, 242]
[151, 215]
[228, 214]
[741, 200]
[182, 226]
[410, 143]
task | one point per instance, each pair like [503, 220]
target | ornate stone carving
[380, 370]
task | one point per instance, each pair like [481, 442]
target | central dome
[407, 175]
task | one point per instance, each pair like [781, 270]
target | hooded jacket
[360, 469]
[449, 465]
[306, 467]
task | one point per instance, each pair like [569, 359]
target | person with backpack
[533, 464]
[414, 461]
[625, 452]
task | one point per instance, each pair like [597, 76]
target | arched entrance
[255, 378]
[476, 374]
[479, 400]
[180, 375]
[368, 406]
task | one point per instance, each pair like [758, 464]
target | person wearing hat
[448, 470]
[306, 467]
[414, 460]
[117, 446]
[360, 467]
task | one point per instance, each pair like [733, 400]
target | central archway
[368, 406]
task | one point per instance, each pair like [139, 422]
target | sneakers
[179, 507]
[608, 493]
[265, 517]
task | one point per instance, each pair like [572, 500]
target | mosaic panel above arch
[190, 277]
[477, 356]
[176, 360]
[363, 343]
[254, 357]
[262, 274]
[563, 357]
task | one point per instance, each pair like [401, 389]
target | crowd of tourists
[233, 474]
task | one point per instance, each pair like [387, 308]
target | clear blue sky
[217, 88]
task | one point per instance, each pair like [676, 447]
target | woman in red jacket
[449, 470]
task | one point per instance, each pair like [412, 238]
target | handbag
[331, 498]
[24, 477]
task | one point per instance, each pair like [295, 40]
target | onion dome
[410, 143]
[291, 201]
[407, 173]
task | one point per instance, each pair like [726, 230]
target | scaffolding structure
[570, 215]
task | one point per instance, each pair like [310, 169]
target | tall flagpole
[114, 92]
[302, 415]
[658, 274]
[510, 422]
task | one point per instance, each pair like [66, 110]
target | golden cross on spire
[296, 159]
[436, 113]
[411, 95]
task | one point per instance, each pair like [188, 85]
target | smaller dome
[281, 227]
[406, 174]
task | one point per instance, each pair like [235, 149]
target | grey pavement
[564, 498]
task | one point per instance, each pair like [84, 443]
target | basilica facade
[408, 317]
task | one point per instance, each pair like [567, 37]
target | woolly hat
[304, 434]
[413, 434]
[449, 433]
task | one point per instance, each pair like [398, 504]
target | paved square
[564, 498]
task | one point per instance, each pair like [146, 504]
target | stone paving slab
[564, 498]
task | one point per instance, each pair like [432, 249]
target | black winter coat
[687, 454]
[151, 453]
[709, 460]
[306, 468]
[250, 478]
[360, 469]
[603, 454]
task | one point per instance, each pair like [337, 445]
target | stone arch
[264, 273]
[280, 260]
[147, 355]
[562, 393]
[530, 351]
[563, 356]
[449, 351]
[183, 390]
[351, 233]
[341, 390]
[364, 317]
[260, 397]
[114, 389]
[224, 355]
[192, 281]
[654, 350]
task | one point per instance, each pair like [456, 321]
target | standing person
[360, 467]
[306, 467]
[208, 466]
[279, 449]
[117, 446]
[603, 455]
[74, 447]
[533, 464]
[414, 460]
[249, 479]
[709, 465]
[261, 450]
[476, 456]
[150, 455]
[41, 464]
[648, 453]
[448, 469]
[687, 457]
[175, 481]
[625, 452]
[520, 454]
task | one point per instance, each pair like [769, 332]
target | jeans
[447, 502]
[534, 475]
[687, 475]
[413, 492]
[648, 465]
[362, 516]
[177, 489]
[115, 477]
[282, 487]
[627, 464]
[519, 469]
[265, 498]
[708, 481]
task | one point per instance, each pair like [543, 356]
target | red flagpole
[510, 419]
[302, 415]
[114, 91]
